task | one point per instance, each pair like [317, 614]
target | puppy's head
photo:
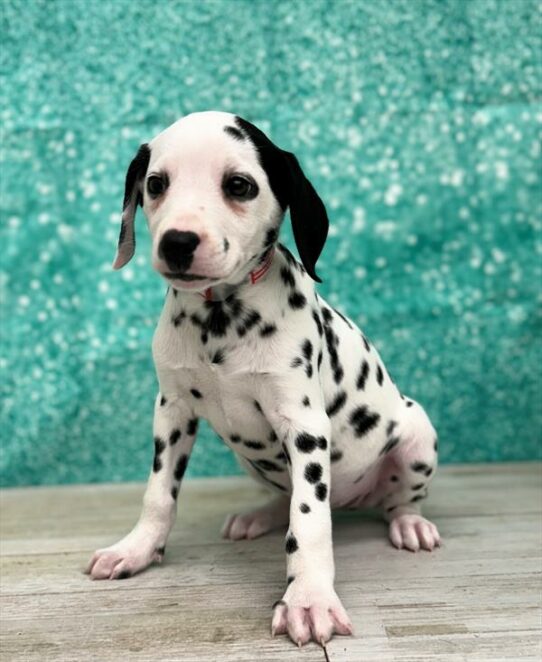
[214, 190]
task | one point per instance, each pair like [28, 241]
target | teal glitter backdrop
[418, 121]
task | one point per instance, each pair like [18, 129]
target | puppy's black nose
[177, 249]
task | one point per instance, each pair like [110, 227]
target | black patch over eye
[240, 187]
[156, 185]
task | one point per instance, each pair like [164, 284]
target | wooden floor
[477, 598]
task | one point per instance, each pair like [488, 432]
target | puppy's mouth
[187, 278]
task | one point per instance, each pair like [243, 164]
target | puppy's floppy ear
[132, 197]
[309, 217]
[292, 189]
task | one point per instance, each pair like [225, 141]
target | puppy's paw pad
[314, 619]
[413, 532]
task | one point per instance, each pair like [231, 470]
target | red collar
[254, 275]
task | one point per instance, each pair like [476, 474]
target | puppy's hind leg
[407, 471]
[257, 522]
[174, 433]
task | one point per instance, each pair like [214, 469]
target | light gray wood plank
[477, 598]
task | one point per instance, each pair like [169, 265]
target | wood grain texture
[476, 598]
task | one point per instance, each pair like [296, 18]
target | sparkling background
[420, 124]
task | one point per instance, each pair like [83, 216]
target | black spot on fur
[306, 349]
[366, 343]
[379, 375]
[180, 468]
[418, 486]
[196, 393]
[306, 402]
[418, 497]
[389, 445]
[163, 401]
[286, 452]
[305, 508]
[257, 407]
[174, 493]
[291, 544]
[159, 446]
[268, 330]
[218, 357]
[421, 467]
[321, 491]
[362, 377]
[271, 237]
[332, 342]
[289, 580]
[267, 465]
[226, 245]
[320, 357]
[160, 550]
[307, 443]
[391, 427]
[394, 479]
[234, 305]
[390, 509]
[255, 445]
[249, 321]
[297, 300]
[409, 403]
[318, 322]
[177, 319]
[192, 426]
[235, 438]
[281, 457]
[287, 276]
[272, 436]
[336, 404]
[313, 472]
[296, 362]
[435, 445]
[328, 317]
[234, 132]
[335, 455]
[174, 437]
[363, 420]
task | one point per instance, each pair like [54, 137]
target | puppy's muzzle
[177, 248]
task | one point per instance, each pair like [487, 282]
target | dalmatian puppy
[291, 385]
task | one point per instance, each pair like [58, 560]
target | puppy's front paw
[413, 532]
[307, 614]
[124, 559]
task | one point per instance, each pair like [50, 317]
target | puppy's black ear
[309, 217]
[132, 197]
[292, 189]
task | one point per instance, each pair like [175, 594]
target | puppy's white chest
[216, 383]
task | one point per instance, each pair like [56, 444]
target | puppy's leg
[174, 433]
[310, 607]
[409, 470]
[257, 522]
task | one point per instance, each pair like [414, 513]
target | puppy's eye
[240, 187]
[156, 185]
